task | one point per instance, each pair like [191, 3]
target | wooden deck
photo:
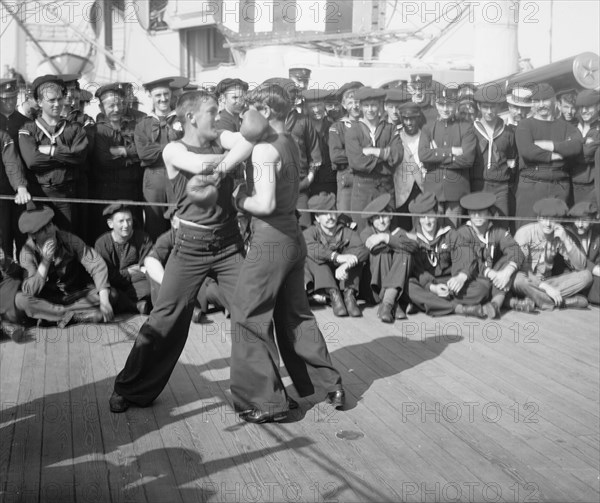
[440, 410]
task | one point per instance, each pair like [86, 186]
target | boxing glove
[203, 190]
[255, 126]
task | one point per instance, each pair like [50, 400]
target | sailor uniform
[152, 133]
[54, 174]
[438, 260]
[339, 162]
[12, 176]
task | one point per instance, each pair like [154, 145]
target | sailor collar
[172, 113]
[441, 232]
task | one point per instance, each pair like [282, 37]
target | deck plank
[155, 469]
[124, 472]
[89, 468]
[57, 484]
[454, 449]
[11, 369]
[24, 471]
[402, 381]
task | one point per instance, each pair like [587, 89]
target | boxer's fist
[203, 190]
[255, 126]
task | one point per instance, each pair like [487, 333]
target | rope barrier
[337, 212]
[91, 201]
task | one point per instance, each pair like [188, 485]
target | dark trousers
[473, 293]
[322, 276]
[209, 293]
[505, 201]
[583, 192]
[81, 222]
[453, 210]
[406, 222]
[325, 181]
[345, 180]
[155, 191]
[270, 296]
[9, 289]
[63, 212]
[162, 337]
[302, 204]
[53, 308]
[389, 270]
[530, 191]
[367, 188]
[9, 229]
[138, 289]
[593, 293]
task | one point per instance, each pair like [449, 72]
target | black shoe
[198, 316]
[258, 416]
[13, 330]
[337, 303]
[575, 302]
[118, 403]
[292, 404]
[351, 305]
[337, 398]
[411, 308]
[143, 307]
[386, 312]
[89, 316]
[474, 311]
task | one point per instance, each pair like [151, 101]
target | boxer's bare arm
[239, 150]
[266, 162]
[178, 157]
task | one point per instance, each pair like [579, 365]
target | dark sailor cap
[478, 201]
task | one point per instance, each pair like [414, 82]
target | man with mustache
[335, 257]
[116, 171]
[152, 134]
[419, 88]
[545, 148]
[519, 105]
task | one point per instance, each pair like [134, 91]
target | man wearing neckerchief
[54, 150]
[498, 255]
[444, 279]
